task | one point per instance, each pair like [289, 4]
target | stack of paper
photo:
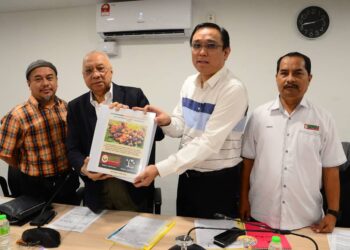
[141, 232]
[339, 239]
[76, 219]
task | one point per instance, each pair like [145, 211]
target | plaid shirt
[37, 136]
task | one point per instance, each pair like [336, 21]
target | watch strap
[333, 212]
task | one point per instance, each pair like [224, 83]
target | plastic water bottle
[275, 243]
[4, 233]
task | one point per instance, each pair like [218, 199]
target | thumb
[139, 177]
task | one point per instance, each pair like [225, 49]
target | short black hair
[296, 54]
[225, 37]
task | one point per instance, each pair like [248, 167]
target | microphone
[45, 215]
[41, 236]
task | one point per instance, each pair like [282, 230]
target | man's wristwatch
[333, 212]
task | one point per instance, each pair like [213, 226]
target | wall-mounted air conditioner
[144, 18]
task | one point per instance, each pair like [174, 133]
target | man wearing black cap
[32, 137]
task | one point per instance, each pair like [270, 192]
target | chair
[157, 201]
[4, 188]
[13, 177]
[344, 177]
[80, 193]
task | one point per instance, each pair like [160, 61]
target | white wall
[261, 31]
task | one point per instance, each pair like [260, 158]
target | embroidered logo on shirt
[312, 127]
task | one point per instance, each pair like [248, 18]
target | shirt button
[288, 134]
[199, 109]
[289, 118]
[284, 186]
[283, 202]
[286, 151]
[285, 168]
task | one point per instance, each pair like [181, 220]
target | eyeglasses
[207, 46]
[91, 71]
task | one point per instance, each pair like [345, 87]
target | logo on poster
[104, 158]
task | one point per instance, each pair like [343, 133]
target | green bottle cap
[276, 239]
[2, 216]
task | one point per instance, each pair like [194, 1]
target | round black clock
[313, 21]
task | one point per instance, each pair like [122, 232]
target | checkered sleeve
[10, 131]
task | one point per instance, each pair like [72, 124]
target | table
[94, 236]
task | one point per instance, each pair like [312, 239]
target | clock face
[313, 22]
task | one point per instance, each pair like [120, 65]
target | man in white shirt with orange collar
[291, 149]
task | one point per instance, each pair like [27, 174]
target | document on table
[141, 232]
[339, 239]
[77, 219]
[205, 237]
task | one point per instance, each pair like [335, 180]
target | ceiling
[26, 5]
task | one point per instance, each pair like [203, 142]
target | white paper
[339, 239]
[138, 232]
[4, 199]
[77, 219]
[122, 142]
[205, 237]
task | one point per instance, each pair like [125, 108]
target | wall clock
[313, 22]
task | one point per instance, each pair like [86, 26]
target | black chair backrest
[4, 187]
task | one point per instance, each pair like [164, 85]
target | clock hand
[308, 23]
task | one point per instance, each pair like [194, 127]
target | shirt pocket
[309, 141]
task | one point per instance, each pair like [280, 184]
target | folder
[141, 232]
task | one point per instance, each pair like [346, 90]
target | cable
[214, 228]
[270, 230]
[274, 230]
[304, 236]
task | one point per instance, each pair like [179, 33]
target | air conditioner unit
[144, 18]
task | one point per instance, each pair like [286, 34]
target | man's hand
[162, 118]
[326, 225]
[244, 209]
[11, 160]
[93, 175]
[117, 106]
[146, 177]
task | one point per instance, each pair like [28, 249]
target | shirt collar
[277, 105]
[33, 101]
[212, 81]
[108, 97]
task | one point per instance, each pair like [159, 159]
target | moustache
[290, 86]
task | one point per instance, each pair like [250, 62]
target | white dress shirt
[210, 122]
[108, 100]
[289, 151]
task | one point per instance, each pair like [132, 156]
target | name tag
[311, 127]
